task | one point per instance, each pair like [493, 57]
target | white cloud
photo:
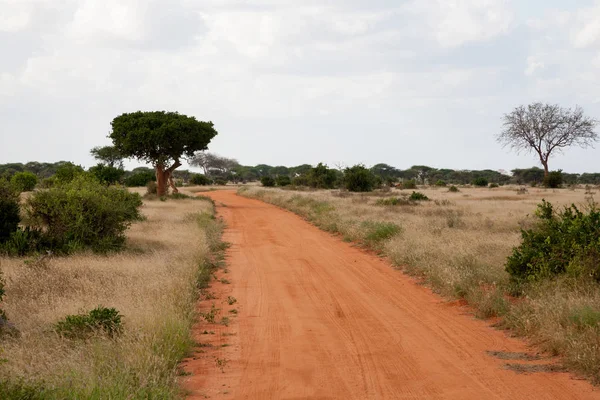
[533, 64]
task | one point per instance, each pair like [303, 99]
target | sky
[289, 82]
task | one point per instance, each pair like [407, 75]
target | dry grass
[458, 243]
[152, 284]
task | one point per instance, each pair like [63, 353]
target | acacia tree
[213, 164]
[108, 155]
[162, 139]
[545, 129]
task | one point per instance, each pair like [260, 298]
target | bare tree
[546, 128]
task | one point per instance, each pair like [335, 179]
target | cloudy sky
[288, 82]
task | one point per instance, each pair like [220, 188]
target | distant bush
[322, 177]
[453, 189]
[283, 180]
[301, 180]
[107, 174]
[83, 214]
[267, 181]
[359, 179]
[151, 187]
[567, 241]
[47, 182]
[140, 179]
[24, 181]
[220, 181]
[67, 172]
[493, 185]
[409, 184]
[418, 196]
[200, 179]
[9, 210]
[481, 182]
[554, 179]
[440, 183]
[100, 320]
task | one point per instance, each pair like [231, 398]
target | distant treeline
[301, 175]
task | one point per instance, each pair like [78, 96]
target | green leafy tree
[322, 177]
[24, 181]
[267, 181]
[162, 139]
[9, 210]
[108, 155]
[107, 174]
[67, 171]
[283, 180]
[359, 179]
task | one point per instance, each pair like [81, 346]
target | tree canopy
[547, 128]
[108, 155]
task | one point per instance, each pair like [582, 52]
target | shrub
[283, 180]
[107, 174]
[301, 180]
[322, 177]
[376, 232]
[48, 182]
[267, 181]
[440, 183]
[220, 181]
[67, 172]
[140, 179]
[100, 320]
[409, 184]
[554, 179]
[24, 181]
[418, 196]
[359, 179]
[481, 182]
[494, 185]
[199, 179]
[151, 188]
[83, 214]
[9, 210]
[568, 241]
[453, 189]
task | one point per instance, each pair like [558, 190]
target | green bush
[67, 172]
[376, 232]
[418, 196]
[409, 184]
[100, 320]
[301, 180]
[24, 181]
[220, 181]
[554, 179]
[440, 183]
[151, 187]
[267, 181]
[48, 182]
[140, 179]
[107, 174]
[200, 179]
[83, 214]
[453, 189]
[567, 241]
[359, 179]
[322, 177]
[494, 185]
[9, 210]
[481, 182]
[283, 180]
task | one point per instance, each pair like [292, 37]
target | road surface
[320, 319]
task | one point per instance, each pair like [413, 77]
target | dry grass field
[458, 243]
[152, 284]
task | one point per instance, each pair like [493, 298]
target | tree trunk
[162, 178]
[172, 184]
[545, 164]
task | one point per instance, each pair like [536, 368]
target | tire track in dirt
[320, 319]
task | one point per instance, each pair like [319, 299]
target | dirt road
[320, 319]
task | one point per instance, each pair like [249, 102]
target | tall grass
[458, 245]
[153, 284]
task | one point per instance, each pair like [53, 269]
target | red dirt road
[320, 319]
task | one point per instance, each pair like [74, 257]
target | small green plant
[585, 317]
[481, 182]
[267, 181]
[231, 300]
[440, 183]
[418, 196]
[100, 320]
[221, 363]
[376, 232]
[409, 184]
[211, 314]
[453, 189]
[225, 321]
[494, 185]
